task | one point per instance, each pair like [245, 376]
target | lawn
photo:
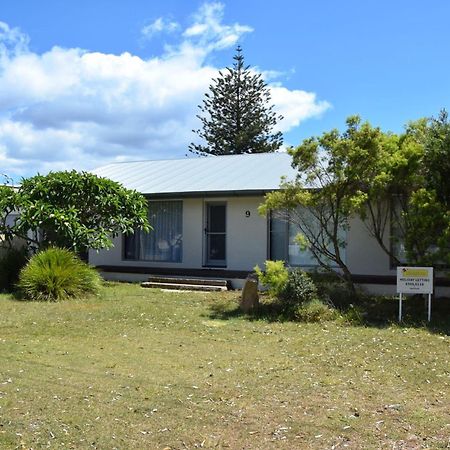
[139, 368]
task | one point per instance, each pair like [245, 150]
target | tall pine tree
[236, 114]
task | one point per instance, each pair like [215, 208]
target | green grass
[139, 368]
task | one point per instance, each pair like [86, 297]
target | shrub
[274, 277]
[315, 311]
[299, 289]
[56, 274]
[354, 315]
[338, 293]
[11, 262]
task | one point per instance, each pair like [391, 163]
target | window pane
[131, 246]
[164, 242]
[216, 219]
[297, 255]
[284, 247]
[278, 239]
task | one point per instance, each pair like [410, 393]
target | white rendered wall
[363, 254]
[247, 236]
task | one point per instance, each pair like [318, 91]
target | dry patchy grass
[139, 368]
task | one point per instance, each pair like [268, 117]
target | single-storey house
[204, 212]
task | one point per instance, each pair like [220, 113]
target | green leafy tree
[379, 170]
[75, 210]
[319, 213]
[236, 114]
[341, 175]
[437, 157]
[387, 180]
[425, 219]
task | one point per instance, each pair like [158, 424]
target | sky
[84, 83]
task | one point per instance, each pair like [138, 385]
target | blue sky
[83, 83]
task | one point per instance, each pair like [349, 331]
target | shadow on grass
[377, 312]
[270, 312]
[15, 294]
[12, 294]
[380, 311]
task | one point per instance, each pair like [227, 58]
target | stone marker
[250, 298]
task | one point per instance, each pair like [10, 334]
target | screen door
[215, 232]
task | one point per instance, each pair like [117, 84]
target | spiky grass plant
[56, 274]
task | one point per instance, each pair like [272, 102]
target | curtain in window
[164, 242]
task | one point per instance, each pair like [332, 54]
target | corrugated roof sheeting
[256, 172]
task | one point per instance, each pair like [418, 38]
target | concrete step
[188, 280]
[183, 286]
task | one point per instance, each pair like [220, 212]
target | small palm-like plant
[56, 274]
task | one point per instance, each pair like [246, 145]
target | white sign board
[414, 280]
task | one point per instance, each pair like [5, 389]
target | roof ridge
[195, 158]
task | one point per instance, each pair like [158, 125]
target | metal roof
[239, 174]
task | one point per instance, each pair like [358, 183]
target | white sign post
[414, 280]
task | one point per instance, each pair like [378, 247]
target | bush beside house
[57, 274]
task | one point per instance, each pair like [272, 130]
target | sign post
[414, 280]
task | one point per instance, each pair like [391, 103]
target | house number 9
[247, 213]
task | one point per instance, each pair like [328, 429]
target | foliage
[11, 262]
[427, 228]
[77, 210]
[314, 311]
[371, 174]
[8, 201]
[299, 289]
[332, 170]
[426, 215]
[274, 277]
[437, 157]
[236, 116]
[338, 293]
[380, 169]
[353, 315]
[56, 274]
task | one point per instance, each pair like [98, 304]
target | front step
[183, 286]
[187, 280]
[187, 284]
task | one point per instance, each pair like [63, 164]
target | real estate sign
[414, 280]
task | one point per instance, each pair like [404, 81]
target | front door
[215, 234]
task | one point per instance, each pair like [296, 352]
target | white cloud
[12, 41]
[160, 25]
[71, 108]
[208, 30]
[296, 106]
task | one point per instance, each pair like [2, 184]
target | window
[165, 242]
[282, 244]
[284, 247]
